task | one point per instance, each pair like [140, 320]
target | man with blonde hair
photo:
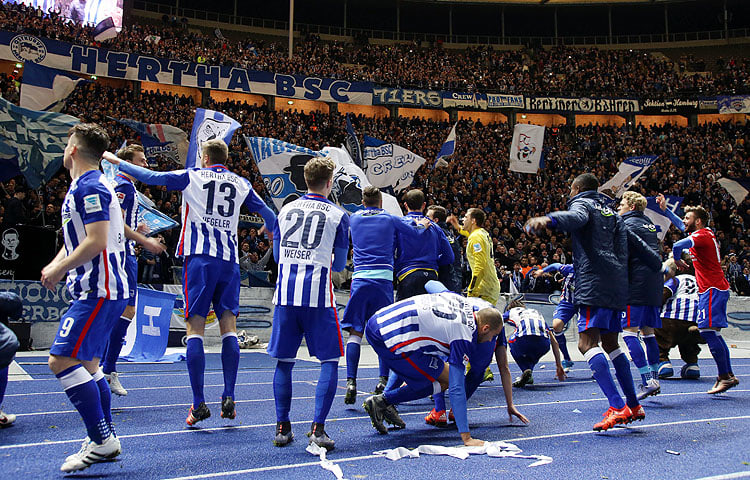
[644, 300]
[211, 201]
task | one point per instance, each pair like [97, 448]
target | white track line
[511, 440]
[305, 422]
[17, 374]
[727, 476]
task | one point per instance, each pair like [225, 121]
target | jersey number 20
[299, 220]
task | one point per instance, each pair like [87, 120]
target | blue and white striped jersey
[308, 230]
[211, 200]
[126, 194]
[527, 321]
[683, 304]
[90, 199]
[441, 324]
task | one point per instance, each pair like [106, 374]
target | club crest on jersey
[477, 247]
[92, 203]
[209, 129]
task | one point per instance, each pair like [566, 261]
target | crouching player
[412, 335]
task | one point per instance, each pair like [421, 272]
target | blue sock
[230, 362]
[726, 352]
[439, 399]
[114, 346]
[105, 395]
[637, 354]
[352, 355]
[196, 365]
[394, 381]
[408, 393]
[624, 376]
[282, 390]
[84, 395]
[325, 390]
[598, 364]
[3, 383]
[383, 370]
[718, 349]
[652, 353]
[563, 343]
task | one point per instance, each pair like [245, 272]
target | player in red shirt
[713, 290]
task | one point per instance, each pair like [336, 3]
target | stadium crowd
[561, 70]
[690, 159]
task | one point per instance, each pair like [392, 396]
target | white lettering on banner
[150, 329]
[398, 96]
[585, 105]
[504, 101]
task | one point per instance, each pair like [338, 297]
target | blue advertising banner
[132, 66]
[495, 100]
[464, 100]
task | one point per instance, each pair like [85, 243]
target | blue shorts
[131, 268]
[528, 349]
[712, 308]
[368, 295]
[207, 280]
[415, 368]
[605, 319]
[564, 311]
[319, 325]
[413, 284]
[641, 316]
[85, 327]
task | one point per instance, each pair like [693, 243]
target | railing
[435, 37]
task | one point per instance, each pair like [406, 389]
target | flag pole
[291, 28]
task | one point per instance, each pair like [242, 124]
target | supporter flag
[155, 39]
[736, 187]
[390, 165]
[282, 166]
[447, 149]
[45, 88]
[526, 148]
[208, 125]
[219, 35]
[657, 215]
[352, 143]
[161, 139]
[105, 30]
[8, 162]
[628, 172]
[37, 139]
[146, 340]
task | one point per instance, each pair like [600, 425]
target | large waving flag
[208, 125]
[657, 215]
[105, 30]
[45, 88]
[37, 138]
[736, 187]
[282, 166]
[628, 172]
[161, 139]
[526, 148]
[352, 143]
[390, 165]
[449, 146]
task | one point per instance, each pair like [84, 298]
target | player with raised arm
[126, 195]
[644, 296]
[373, 232]
[412, 336]
[310, 230]
[565, 309]
[713, 290]
[601, 244]
[94, 259]
[211, 200]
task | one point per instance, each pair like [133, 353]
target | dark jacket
[451, 275]
[644, 283]
[600, 251]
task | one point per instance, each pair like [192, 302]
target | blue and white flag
[208, 125]
[352, 144]
[657, 215]
[146, 340]
[159, 139]
[738, 188]
[628, 172]
[390, 165]
[8, 162]
[526, 148]
[449, 146]
[105, 30]
[37, 138]
[45, 88]
[282, 166]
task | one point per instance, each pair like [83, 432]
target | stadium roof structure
[549, 2]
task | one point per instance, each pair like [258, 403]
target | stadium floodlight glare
[93, 77]
[19, 65]
[290, 102]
